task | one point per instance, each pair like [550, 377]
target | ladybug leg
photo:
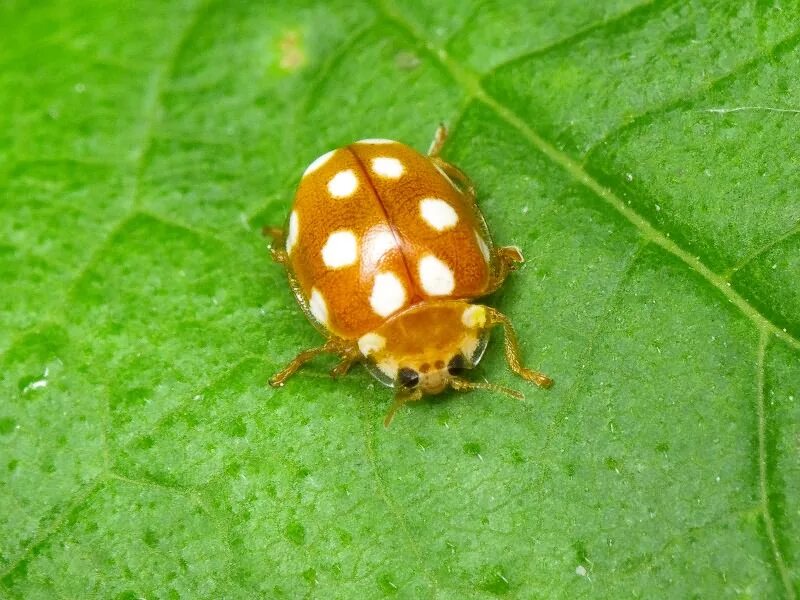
[507, 259]
[276, 247]
[457, 176]
[400, 400]
[462, 385]
[438, 140]
[494, 318]
[333, 346]
[349, 358]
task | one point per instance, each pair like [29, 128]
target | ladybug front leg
[495, 317]
[278, 244]
[344, 349]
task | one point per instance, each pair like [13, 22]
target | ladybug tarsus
[437, 143]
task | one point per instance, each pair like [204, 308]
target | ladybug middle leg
[437, 143]
[347, 351]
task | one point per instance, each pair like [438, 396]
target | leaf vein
[787, 43]
[471, 84]
[763, 476]
[633, 12]
[791, 232]
[380, 484]
[43, 534]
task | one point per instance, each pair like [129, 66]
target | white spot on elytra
[387, 167]
[318, 307]
[438, 213]
[318, 162]
[375, 141]
[370, 343]
[343, 184]
[388, 294]
[376, 243]
[482, 245]
[340, 250]
[294, 231]
[436, 277]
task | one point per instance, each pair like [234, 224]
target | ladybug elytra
[386, 249]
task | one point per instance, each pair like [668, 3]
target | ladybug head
[417, 378]
[432, 376]
[429, 348]
[422, 349]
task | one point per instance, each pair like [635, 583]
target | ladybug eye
[408, 378]
[457, 365]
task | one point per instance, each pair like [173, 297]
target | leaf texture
[643, 156]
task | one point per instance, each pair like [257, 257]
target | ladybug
[386, 249]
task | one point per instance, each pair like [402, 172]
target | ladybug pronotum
[385, 250]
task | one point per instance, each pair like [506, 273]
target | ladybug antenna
[401, 400]
[463, 385]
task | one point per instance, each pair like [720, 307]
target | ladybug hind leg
[457, 176]
[437, 143]
[349, 356]
[277, 247]
[452, 172]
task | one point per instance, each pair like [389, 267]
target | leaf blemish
[296, 533]
[473, 449]
[406, 61]
[722, 111]
[291, 52]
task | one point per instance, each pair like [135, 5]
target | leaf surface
[643, 156]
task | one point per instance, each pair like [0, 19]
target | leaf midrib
[470, 82]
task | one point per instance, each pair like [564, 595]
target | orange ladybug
[385, 249]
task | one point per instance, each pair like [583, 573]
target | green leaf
[643, 156]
